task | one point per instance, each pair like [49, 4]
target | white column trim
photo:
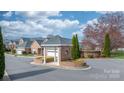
[44, 55]
[59, 56]
[54, 54]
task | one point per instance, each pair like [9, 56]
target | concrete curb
[103, 59]
[10, 54]
[88, 68]
[6, 77]
[21, 56]
[65, 68]
[25, 56]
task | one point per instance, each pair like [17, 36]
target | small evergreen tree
[2, 57]
[77, 47]
[73, 49]
[106, 49]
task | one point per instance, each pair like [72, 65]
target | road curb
[103, 59]
[24, 57]
[21, 56]
[64, 68]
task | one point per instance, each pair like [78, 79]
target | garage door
[19, 52]
[51, 53]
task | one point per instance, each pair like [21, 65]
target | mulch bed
[73, 64]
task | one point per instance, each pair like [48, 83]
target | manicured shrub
[2, 56]
[49, 59]
[24, 52]
[41, 58]
[13, 51]
[106, 49]
[90, 56]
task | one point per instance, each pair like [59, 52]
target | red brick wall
[65, 53]
[28, 50]
[37, 47]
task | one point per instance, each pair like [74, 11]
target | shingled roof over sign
[57, 40]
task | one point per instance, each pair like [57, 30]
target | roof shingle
[57, 40]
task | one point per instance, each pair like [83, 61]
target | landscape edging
[65, 68]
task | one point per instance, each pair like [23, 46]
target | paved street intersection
[19, 68]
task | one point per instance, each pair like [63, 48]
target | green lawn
[28, 55]
[117, 54]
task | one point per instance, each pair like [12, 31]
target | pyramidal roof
[57, 40]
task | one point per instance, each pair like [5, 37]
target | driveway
[19, 68]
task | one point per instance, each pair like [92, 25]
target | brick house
[12, 44]
[36, 47]
[29, 45]
[24, 46]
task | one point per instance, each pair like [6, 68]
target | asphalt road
[19, 68]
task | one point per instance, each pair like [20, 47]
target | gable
[35, 45]
[21, 41]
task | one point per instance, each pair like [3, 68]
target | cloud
[93, 21]
[90, 22]
[105, 12]
[59, 24]
[8, 14]
[37, 24]
[102, 12]
[23, 28]
[79, 33]
[38, 14]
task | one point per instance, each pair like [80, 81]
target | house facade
[36, 47]
[24, 46]
[10, 45]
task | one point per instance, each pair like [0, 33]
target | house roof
[28, 41]
[32, 39]
[16, 41]
[38, 38]
[11, 42]
[57, 40]
[26, 44]
[39, 41]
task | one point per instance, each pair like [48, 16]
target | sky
[16, 24]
